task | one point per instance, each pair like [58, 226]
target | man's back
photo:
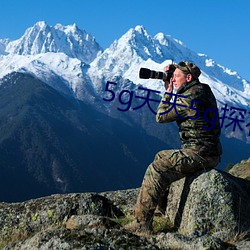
[200, 128]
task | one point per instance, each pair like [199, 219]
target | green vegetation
[160, 223]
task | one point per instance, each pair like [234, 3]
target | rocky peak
[207, 211]
[35, 40]
[3, 44]
[141, 43]
[125, 54]
[42, 38]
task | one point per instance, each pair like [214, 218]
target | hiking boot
[140, 227]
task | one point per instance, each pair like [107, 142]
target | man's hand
[168, 85]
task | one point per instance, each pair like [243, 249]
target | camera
[145, 73]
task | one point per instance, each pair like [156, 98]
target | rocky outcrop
[211, 202]
[241, 169]
[209, 210]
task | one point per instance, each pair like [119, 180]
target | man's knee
[162, 159]
[158, 156]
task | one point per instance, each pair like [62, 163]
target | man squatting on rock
[200, 149]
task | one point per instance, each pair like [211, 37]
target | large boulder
[19, 221]
[210, 202]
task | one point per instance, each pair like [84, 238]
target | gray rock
[63, 239]
[241, 169]
[90, 221]
[243, 245]
[178, 241]
[20, 220]
[210, 210]
[212, 202]
[124, 199]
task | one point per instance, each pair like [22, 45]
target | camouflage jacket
[194, 108]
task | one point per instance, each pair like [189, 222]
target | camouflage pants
[167, 167]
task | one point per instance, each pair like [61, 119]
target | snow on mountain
[3, 43]
[42, 38]
[63, 73]
[124, 56]
[57, 55]
[137, 49]
[72, 56]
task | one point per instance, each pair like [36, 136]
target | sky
[217, 28]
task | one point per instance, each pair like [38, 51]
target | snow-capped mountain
[57, 55]
[55, 138]
[75, 57]
[137, 49]
[71, 61]
[41, 38]
[64, 73]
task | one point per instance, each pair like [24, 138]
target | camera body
[146, 73]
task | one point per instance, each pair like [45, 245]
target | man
[194, 108]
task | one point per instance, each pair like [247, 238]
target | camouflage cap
[189, 68]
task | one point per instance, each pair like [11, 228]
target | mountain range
[63, 128]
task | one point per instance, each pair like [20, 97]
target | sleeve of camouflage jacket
[166, 112]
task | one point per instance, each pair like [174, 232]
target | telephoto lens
[147, 73]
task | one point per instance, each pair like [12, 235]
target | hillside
[50, 143]
[63, 128]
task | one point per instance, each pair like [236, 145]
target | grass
[15, 236]
[123, 220]
[238, 237]
[160, 223]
